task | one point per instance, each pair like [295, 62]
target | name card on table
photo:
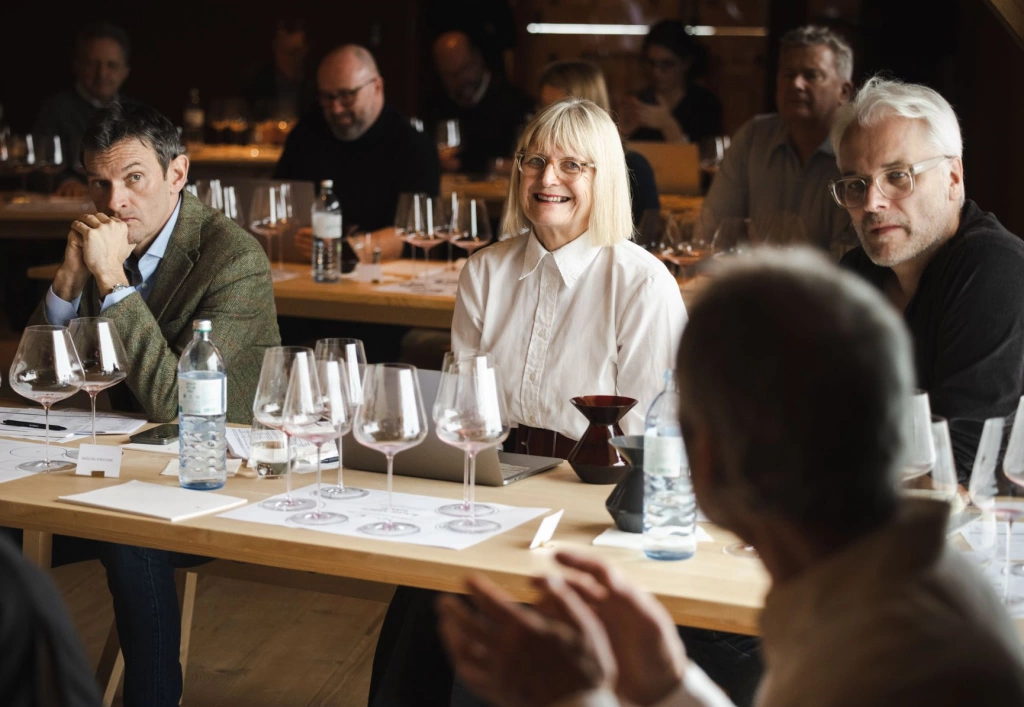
[546, 531]
[99, 460]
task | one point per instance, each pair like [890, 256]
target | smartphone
[161, 434]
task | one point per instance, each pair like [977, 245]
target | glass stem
[1006, 573]
[46, 430]
[341, 484]
[288, 468]
[391, 461]
[92, 399]
[316, 511]
[450, 266]
[472, 486]
[465, 480]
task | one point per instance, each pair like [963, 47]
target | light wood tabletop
[711, 590]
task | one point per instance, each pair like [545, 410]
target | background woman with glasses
[673, 108]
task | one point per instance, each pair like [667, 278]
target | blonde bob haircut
[581, 129]
[581, 79]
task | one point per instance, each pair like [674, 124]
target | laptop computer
[433, 459]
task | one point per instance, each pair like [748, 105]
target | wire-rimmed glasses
[894, 183]
[567, 168]
[349, 356]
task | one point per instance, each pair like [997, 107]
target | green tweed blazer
[212, 269]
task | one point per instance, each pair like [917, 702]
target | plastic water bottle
[202, 412]
[670, 509]
[326, 235]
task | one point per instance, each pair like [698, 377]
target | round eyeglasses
[895, 183]
[568, 170]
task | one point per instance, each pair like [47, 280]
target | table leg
[37, 547]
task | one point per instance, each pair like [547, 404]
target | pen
[329, 460]
[33, 425]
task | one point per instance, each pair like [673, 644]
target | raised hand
[105, 246]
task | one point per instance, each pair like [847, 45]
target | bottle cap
[202, 325]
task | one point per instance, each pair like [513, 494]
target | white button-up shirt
[582, 320]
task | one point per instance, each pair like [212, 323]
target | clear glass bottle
[326, 235]
[194, 119]
[670, 509]
[202, 412]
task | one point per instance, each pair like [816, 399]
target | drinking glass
[470, 414]
[390, 420]
[423, 229]
[21, 157]
[307, 414]
[104, 361]
[211, 193]
[46, 369]
[734, 236]
[940, 483]
[921, 443]
[270, 217]
[50, 158]
[403, 218]
[996, 498]
[470, 226]
[448, 139]
[268, 409]
[784, 229]
[231, 208]
[268, 451]
[712, 151]
[350, 358]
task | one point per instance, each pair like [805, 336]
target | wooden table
[227, 161]
[35, 216]
[711, 590]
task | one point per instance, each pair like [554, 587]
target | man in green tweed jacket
[153, 259]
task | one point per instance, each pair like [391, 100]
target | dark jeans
[411, 669]
[146, 612]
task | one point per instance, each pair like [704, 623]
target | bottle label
[664, 456]
[202, 397]
[326, 225]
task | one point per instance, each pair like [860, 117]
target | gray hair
[881, 98]
[131, 121]
[813, 35]
[802, 374]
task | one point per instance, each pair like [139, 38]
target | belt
[542, 443]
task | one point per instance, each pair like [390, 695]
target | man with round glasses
[953, 270]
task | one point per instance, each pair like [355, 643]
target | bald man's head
[351, 91]
[460, 66]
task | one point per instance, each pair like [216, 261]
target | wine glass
[784, 229]
[231, 207]
[350, 357]
[470, 414]
[102, 354]
[308, 414]
[940, 483]
[403, 218]
[734, 236]
[390, 420]
[471, 228]
[449, 139]
[422, 229]
[50, 158]
[921, 443]
[711, 151]
[22, 157]
[211, 193]
[46, 369]
[268, 409]
[270, 217]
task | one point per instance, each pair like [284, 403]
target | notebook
[171, 503]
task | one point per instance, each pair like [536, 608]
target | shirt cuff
[696, 690]
[59, 312]
[591, 698]
[115, 297]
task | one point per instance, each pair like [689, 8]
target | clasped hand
[97, 244]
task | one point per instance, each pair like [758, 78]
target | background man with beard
[952, 269]
[781, 162]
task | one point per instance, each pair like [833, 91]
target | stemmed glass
[712, 151]
[470, 414]
[308, 414]
[22, 157]
[350, 359]
[423, 229]
[102, 354]
[211, 193]
[448, 139]
[50, 158]
[785, 229]
[403, 217]
[921, 443]
[46, 369]
[270, 217]
[268, 409]
[733, 236]
[390, 420]
[231, 207]
[470, 226]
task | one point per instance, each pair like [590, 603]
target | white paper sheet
[238, 445]
[173, 468]
[77, 422]
[439, 281]
[155, 500]
[987, 540]
[613, 537]
[419, 510]
[14, 453]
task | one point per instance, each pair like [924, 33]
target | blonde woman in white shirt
[569, 305]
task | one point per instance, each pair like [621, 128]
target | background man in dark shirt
[363, 144]
[490, 110]
[953, 270]
[101, 68]
[281, 89]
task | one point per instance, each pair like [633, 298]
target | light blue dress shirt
[60, 312]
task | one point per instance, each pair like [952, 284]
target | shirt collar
[94, 102]
[158, 247]
[781, 139]
[572, 259]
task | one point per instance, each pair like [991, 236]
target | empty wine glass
[403, 217]
[22, 157]
[308, 414]
[50, 158]
[104, 361]
[46, 369]
[350, 357]
[268, 408]
[734, 236]
[390, 420]
[470, 225]
[211, 193]
[270, 217]
[921, 443]
[470, 414]
[784, 230]
[231, 208]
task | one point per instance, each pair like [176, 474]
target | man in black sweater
[952, 269]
